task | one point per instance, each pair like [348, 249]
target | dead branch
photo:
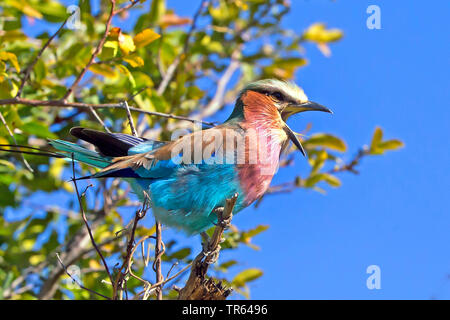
[198, 287]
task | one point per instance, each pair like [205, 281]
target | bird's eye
[278, 95]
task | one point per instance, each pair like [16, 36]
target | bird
[188, 178]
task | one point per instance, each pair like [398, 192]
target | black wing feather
[107, 144]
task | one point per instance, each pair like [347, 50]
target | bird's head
[272, 102]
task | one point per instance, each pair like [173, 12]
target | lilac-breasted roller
[187, 178]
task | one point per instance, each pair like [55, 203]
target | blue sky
[394, 214]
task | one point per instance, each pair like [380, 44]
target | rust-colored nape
[261, 110]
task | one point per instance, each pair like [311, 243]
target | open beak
[297, 108]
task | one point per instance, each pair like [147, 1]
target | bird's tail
[79, 153]
[68, 150]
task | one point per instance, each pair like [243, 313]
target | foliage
[159, 62]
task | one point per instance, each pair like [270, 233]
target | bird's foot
[205, 241]
[212, 256]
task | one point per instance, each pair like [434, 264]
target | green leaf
[181, 254]
[109, 50]
[246, 276]
[124, 70]
[327, 141]
[38, 129]
[315, 178]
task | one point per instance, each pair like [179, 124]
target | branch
[130, 119]
[125, 8]
[287, 187]
[30, 67]
[198, 287]
[65, 104]
[157, 262]
[94, 54]
[11, 134]
[74, 180]
[120, 279]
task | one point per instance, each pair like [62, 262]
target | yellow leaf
[28, 244]
[11, 57]
[29, 11]
[377, 138]
[93, 264]
[12, 35]
[318, 33]
[126, 43]
[134, 60]
[145, 37]
[327, 141]
[391, 144]
[36, 259]
[25, 8]
[104, 70]
[246, 276]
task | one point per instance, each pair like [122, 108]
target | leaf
[327, 141]
[253, 232]
[145, 37]
[227, 264]
[38, 129]
[181, 254]
[52, 11]
[8, 164]
[392, 144]
[318, 33]
[103, 69]
[25, 8]
[126, 43]
[315, 178]
[134, 60]
[124, 70]
[172, 19]
[109, 50]
[246, 276]
[11, 57]
[376, 139]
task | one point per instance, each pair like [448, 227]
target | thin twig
[130, 251]
[81, 105]
[91, 236]
[77, 282]
[128, 6]
[11, 134]
[96, 116]
[157, 264]
[130, 119]
[30, 67]
[94, 54]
